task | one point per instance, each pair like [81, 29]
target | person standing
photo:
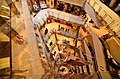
[59, 27]
[46, 31]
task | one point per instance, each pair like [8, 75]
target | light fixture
[5, 7]
[5, 16]
[58, 42]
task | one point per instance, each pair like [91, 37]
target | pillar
[112, 3]
[37, 69]
[117, 8]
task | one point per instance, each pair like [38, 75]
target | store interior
[59, 39]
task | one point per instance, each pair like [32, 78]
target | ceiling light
[5, 16]
[5, 7]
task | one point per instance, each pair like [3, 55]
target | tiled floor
[55, 26]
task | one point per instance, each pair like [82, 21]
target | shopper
[59, 27]
[51, 43]
[68, 30]
[65, 30]
[46, 31]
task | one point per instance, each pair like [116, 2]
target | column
[117, 8]
[37, 69]
[112, 3]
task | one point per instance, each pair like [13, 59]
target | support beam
[57, 41]
[78, 28]
[36, 67]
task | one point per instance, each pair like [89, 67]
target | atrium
[59, 39]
